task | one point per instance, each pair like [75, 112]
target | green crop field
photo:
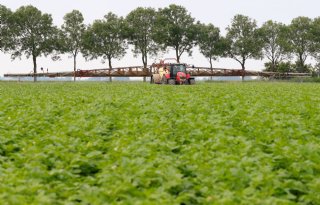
[135, 143]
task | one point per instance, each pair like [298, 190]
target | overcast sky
[217, 12]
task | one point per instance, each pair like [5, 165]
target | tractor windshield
[178, 68]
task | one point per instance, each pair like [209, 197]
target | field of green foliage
[136, 143]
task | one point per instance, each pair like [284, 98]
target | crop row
[135, 143]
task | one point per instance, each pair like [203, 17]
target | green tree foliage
[211, 44]
[315, 35]
[176, 29]
[281, 67]
[29, 32]
[105, 38]
[275, 44]
[35, 34]
[72, 31]
[244, 40]
[5, 34]
[301, 41]
[140, 29]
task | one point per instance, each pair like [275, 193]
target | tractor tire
[164, 81]
[192, 81]
[171, 82]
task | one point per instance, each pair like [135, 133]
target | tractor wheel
[171, 82]
[192, 81]
[164, 80]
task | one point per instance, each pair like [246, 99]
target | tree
[72, 31]
[35, 34]
[176, 29]
[315, 35]
[275, 44]
[244, 40]
[300, 39]
[210, 42]
[5, 34]
[105, 38]
[140, 28]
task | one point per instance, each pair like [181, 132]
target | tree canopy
[244, 40]
[140, 32]
[275, 44]
[72, 34]
[176, 29]
[211, 44]
[29, 32]
[315, 34]
[35, 34]
[105, 38]
[301, 41]
[5, 35]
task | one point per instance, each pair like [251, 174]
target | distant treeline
[27, 31]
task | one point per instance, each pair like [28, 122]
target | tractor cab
[176, 68]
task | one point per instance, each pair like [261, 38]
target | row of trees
[27, 31]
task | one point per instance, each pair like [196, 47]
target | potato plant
[135, 143]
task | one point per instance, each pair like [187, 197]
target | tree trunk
[177, 55]
[74, 67]
[210, 60]
[109, 60]
[301, 63]
[243, 71]
[110, 67]
[144, 60]
[273, 66]
[34, 58]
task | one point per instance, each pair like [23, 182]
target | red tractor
[171, 73]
